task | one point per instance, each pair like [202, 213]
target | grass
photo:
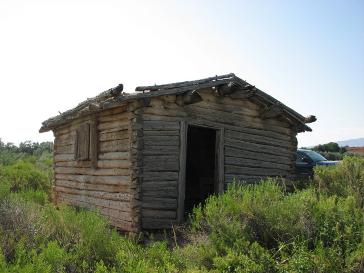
[249, 228]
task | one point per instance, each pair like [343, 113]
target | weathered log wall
[107, 186]
[134, 181]
[253, 147]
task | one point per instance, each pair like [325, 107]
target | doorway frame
[219, 163]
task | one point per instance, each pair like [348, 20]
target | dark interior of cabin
[200, 165]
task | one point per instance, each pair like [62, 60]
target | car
[307, 159]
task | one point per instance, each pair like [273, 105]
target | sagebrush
[249, 228]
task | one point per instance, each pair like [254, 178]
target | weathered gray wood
[242, 95]
[259, 139]
[310, 119]
[189, 97]
[113, 111]
[243, 128]
[160, 192]
[220, 161]
[83, 142]
[159, 125]
[66, 149]
[161, 166]
[140, 151]
[242, 110]
[94, 147]
[118, 219]
[271, 111]
[109, 118]
[161, 140]
[160, 150]
[230, 169]
[237, 120]
[183, 84]
[153, 223]
[161, 133]
[63, 157]
[159, 184]
[121, 145]
[74, 163]
[116, 196]
[263, 157]
[107, 180]
[107, 164]
[182, 172]
[136, 160]
[88, 171]
[238, 161]
[258, 148]
[91, 187]
[160, 158]
[161, 163]
[114, 129]
[114, 155]
[159, 203]
[119, 205]
[90, 106]
[163, 112]
[159, 176]
[227, 88]
[159, 214]
[113, 124]
[117, 135]
[115, 214]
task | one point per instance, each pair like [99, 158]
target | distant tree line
[331, 147]
[26, 147]
[331, 150]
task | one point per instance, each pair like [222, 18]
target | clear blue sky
[308, 54]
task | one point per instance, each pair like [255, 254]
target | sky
[307, 54]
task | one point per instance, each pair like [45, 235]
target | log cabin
[144, 159]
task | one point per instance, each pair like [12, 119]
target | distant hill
[357, 142]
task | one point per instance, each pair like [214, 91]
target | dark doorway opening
[200, 165]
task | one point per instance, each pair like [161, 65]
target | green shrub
[355, 261]
[2, 261]
[252, 258]
[316, 231]
[37, 196]
[345, 179]
[250, 228]
[260, 212]
[55, 256]
[5, 188]
[18, 220]
[24, 175]
[301, 259]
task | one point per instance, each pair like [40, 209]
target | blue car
[306, 160]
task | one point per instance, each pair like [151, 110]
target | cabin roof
[115, 96]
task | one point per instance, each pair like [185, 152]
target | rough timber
[134, 171]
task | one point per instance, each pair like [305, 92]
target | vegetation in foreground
[250, 228]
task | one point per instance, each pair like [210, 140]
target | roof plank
[183, 84]
[114, 98]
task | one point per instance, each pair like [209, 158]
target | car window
[300, 157]
[315, 156]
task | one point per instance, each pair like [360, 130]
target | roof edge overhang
[114, 97]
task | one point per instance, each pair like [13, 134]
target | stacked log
[253, 148]
[105, 187]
